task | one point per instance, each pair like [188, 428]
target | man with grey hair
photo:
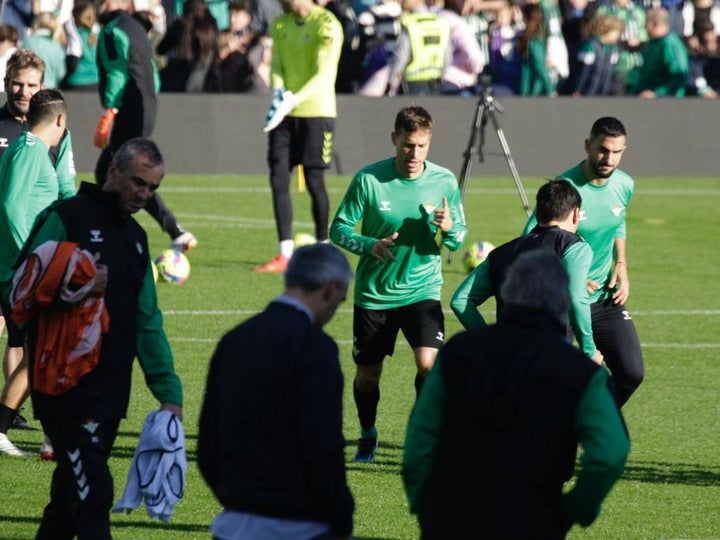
[270, 440]
[83, 421]
[501, 416]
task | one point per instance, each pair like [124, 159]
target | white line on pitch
[480, 191]
[349, 342]
[215, 312]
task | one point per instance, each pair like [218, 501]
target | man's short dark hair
[413, 118]
[555, 200]
[608, 126]
[45, 105]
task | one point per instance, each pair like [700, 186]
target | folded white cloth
[157, 471]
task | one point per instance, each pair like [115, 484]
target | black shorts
[307, 141]
[16, 335]
[375, 331]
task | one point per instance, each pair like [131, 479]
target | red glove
[104, 127]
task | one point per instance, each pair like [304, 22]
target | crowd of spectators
[649, 48]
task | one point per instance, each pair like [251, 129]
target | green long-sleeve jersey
[28, 184]
[305, 58]
[386, 204]
[477, 288]
[602, 219]
[65, 166]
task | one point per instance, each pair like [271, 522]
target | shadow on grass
[388, 455]
[136, 435]
[180, 527]
[659, 472]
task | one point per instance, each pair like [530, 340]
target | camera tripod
[486, 108]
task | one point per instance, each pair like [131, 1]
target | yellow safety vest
[429, 40]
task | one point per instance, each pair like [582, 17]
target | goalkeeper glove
[283, 103]
[104, 127]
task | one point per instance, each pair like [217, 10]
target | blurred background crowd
[648, 48]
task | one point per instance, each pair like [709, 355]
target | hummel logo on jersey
[384, 206]
[440, 336]
[96, 236]
[583, 215]
[90, 426]
[617, 210]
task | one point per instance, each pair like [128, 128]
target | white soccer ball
[476, 253]
[173, 266]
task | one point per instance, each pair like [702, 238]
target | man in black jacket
[558, 215]
[129, 83]
[494, 434]
[270, 441]
[83, 422]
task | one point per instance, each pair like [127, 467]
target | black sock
[366, 403]
[6, 417]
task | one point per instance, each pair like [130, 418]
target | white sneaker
[7, 447]
[46, 450]
[186, 241]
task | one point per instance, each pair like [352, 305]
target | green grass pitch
[671, 486]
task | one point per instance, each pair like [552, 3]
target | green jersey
[386, 204]
[305, 59]
[602, 219]
[28, 184]
[65, 166]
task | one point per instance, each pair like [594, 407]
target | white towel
[157, 471]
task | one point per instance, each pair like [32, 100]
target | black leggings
[616, 338]
[282, 201]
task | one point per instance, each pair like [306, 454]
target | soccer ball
[304, 239]
[476, 253]
[173, 266]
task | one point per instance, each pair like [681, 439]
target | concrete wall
[221, 134]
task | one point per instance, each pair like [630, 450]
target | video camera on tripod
[487, 105]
